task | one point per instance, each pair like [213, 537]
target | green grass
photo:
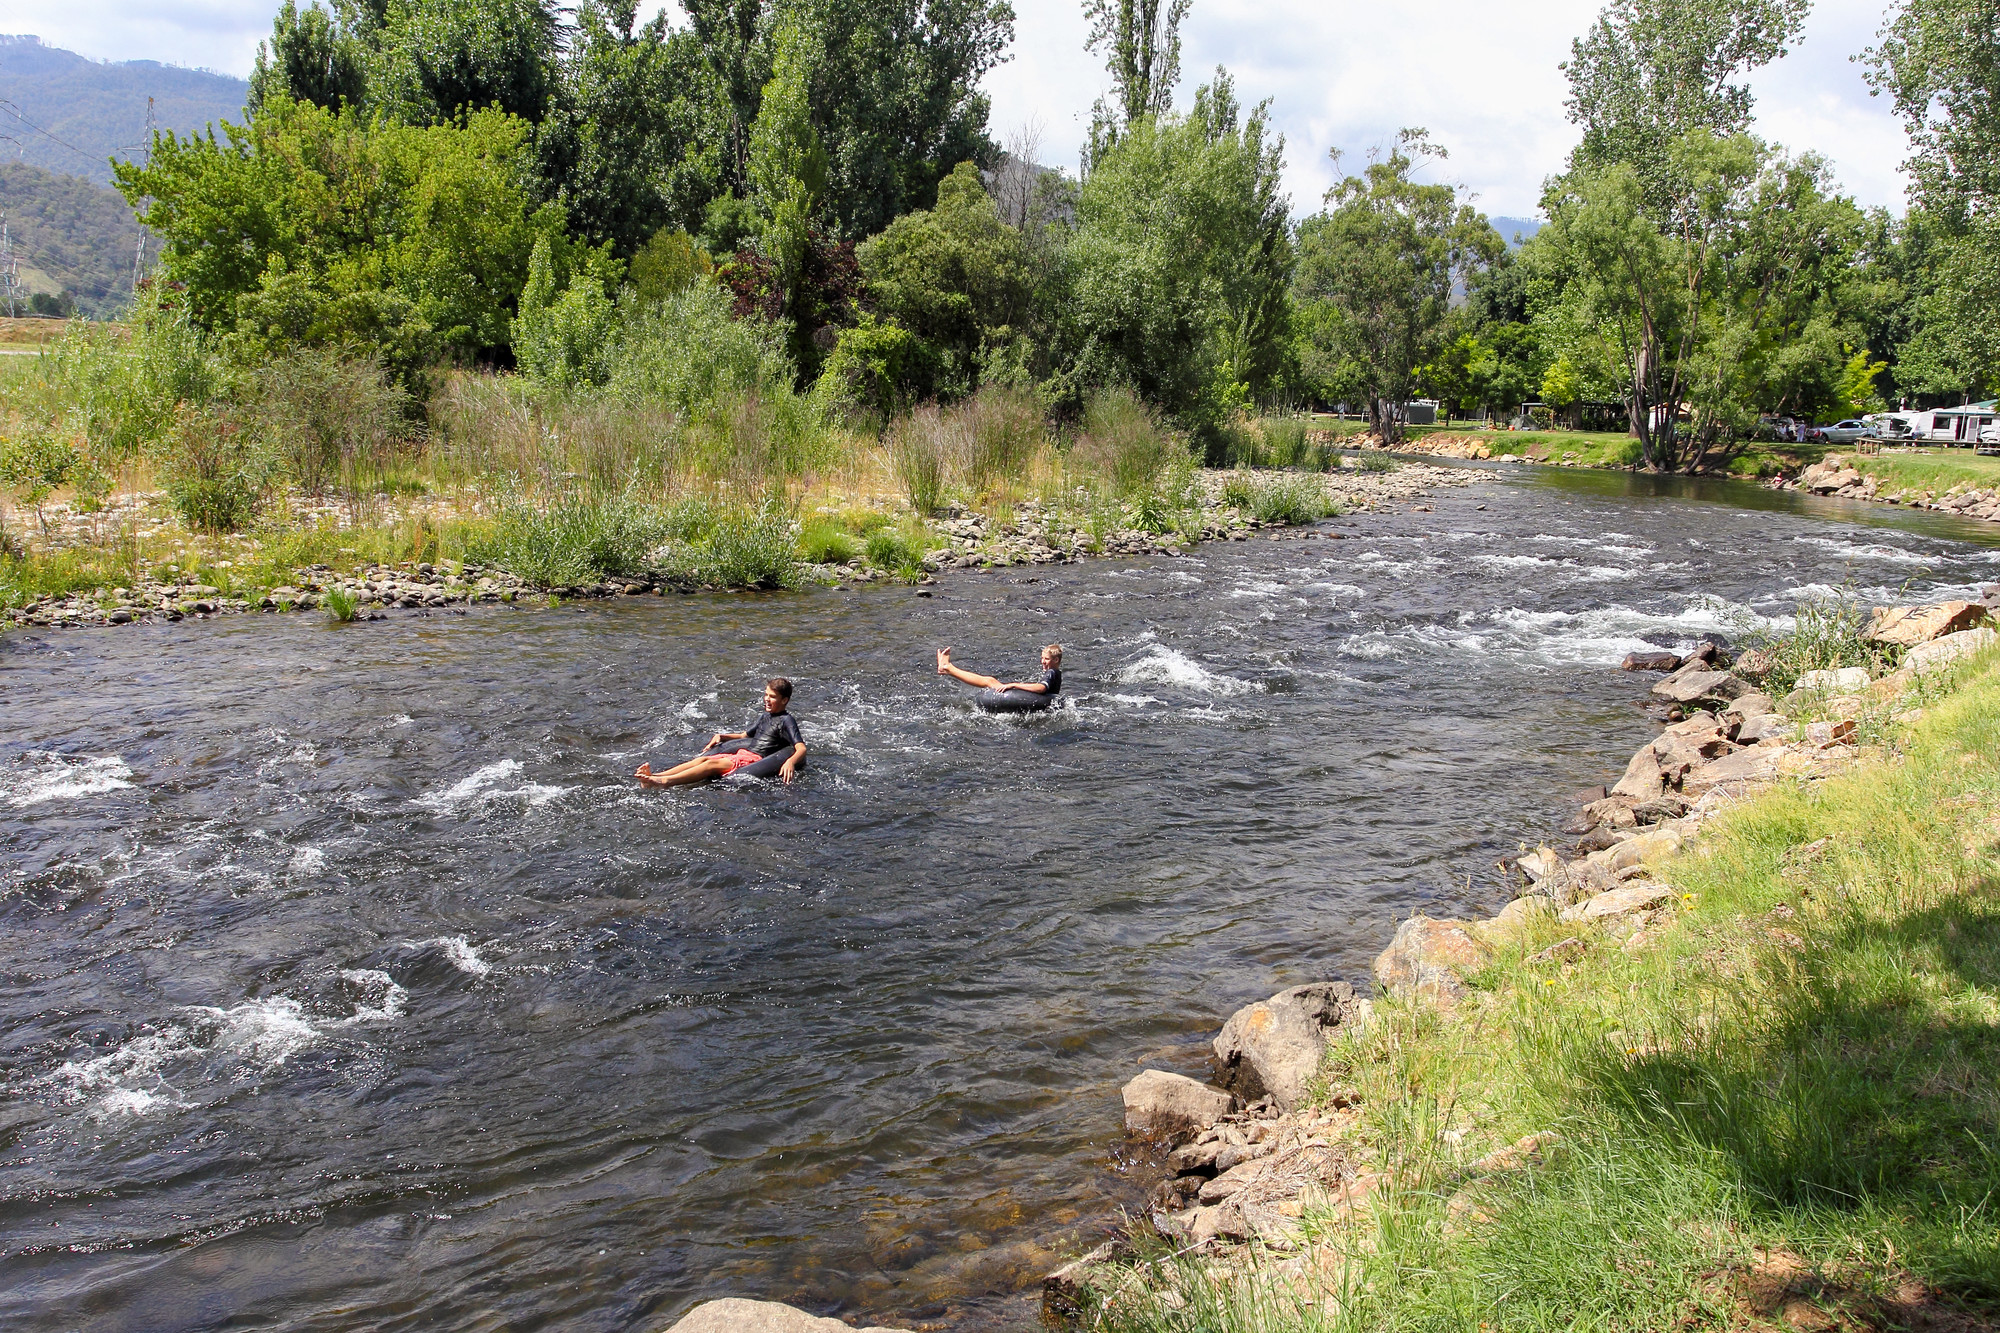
[1936, 470]
[1806, 1059]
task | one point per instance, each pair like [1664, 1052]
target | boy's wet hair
[779, 686]
[1055, 648]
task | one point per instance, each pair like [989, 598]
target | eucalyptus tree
[1376, 271]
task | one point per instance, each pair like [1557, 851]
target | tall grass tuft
[1291, 499]
[1825, 635]
[923, 446]
[574, 540]
[1123, 441]
[341, 606]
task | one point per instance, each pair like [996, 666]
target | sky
[1480, 76]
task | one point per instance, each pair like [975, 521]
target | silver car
[1847, 432]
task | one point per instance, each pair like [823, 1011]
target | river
[352, 984]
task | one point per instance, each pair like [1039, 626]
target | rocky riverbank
[1031, 535]
[1261, 1165]
[1836, 476]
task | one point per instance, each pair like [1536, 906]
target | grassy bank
[1930, 470]
[1778, 1111]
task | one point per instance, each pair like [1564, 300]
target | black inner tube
[1013, 701]
[767, 767]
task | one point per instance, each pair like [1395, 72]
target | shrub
[1005, 427]
[1285, 442]
[37, 461]
[574, 540]
[122, 396]
[1238, 493]
[688, 353]
[877, 368]
[214, 471]
[730, 546]
[1373, 460]
[321, 411]
[1291, 500]
[563, 339]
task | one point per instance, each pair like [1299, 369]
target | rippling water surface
[350, 983]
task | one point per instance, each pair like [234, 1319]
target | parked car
[1846, 432]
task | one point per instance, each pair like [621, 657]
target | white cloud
[1480, 76]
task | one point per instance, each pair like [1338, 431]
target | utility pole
[139, 252]
[10, 267]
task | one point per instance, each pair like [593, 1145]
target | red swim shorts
[740, 759]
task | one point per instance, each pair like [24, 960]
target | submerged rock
[733, 1314]
[1271, 1048]
[1172, 1107]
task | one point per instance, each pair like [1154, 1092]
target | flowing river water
[350, 983]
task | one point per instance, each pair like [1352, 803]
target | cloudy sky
[1480, 76]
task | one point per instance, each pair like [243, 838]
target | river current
[351, 983]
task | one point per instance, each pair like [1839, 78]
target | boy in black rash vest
[774, 731]
[1050, 683]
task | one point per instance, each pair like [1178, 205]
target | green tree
[324, 226]
[1940, 62]
[955, 276]
[1173, 277]
[311, 57]
[788, 175]
[637, 137]
[1141, 41]
[1650, 72]
[1379, 265]
[432, 60]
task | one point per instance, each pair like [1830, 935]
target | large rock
[1908, 626]
[1759, 763]
[1661, 766]
[1764, 728]
[733, 1314]
[1172, 1107]
[1940, 653]
[1650, 662]
[1429, 959]
[1834, 681]
[1686, 687]
[1271, 1048]
[1619, 902]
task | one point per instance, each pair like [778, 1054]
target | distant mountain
[69, 114]
[70, 235]
[1515, 230]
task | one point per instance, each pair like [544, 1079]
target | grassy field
[1783, 1111]
[1932, 469]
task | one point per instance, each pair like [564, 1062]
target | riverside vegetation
[1730, 1067]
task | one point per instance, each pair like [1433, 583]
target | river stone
[1840, 680]
[1513, 919]
[1763, 729]
[1619, 902]
[1650, 662]
[1754, 704]
[1753, 664]
[1908, 626]
[1272, 1047]
[1688, 687]
[1172, 1107]
[1940, 653]
[733, 1314]
[1428, 959]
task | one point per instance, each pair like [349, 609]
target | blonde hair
[1055, 648]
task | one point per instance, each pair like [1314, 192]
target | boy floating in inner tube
[1049, 684]
[773, 732]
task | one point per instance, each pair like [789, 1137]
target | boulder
[1612, 811]
[1429, 959]
[1643, 897]
[1840, 680]
[1764, 729]
[1908, 626]
[1515, 917]
[1650, 662]
[1172, 1107]
[733, 1314]
[1753, 664]
[1537, 864]
[1686, 687]
[1754, 704]
[1271, 1048]
[1759, 763]
[1940, 653]
[1573, 881]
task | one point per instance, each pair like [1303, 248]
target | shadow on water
[352, 983]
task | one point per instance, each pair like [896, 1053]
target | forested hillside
[70, 235]
[70, 114]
